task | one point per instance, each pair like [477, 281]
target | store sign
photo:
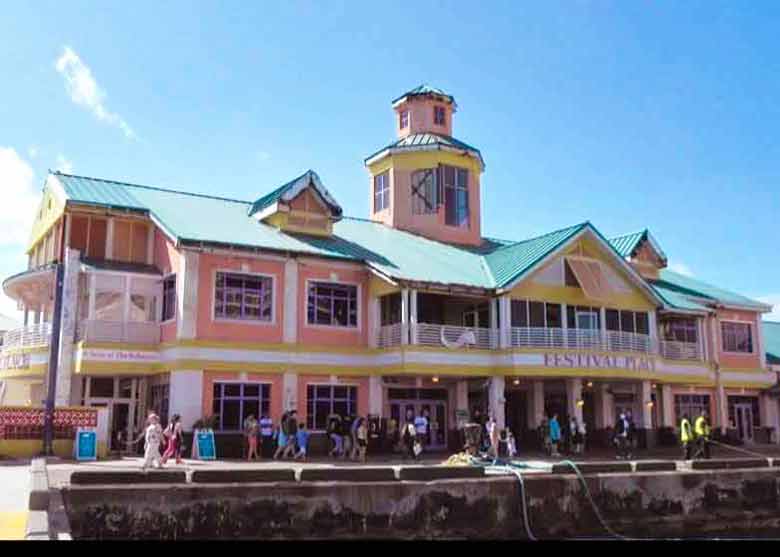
[120, 356]
[15, 361]
[599, 361]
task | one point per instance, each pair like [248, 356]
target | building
[6, 324]
[201, 305]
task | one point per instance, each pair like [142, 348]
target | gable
[601, 276]
[51, 208]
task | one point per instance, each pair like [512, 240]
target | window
[381, 192]
[737, 337]
[142, 308]
[627, 321]
[243, 297]
[578, 317]
[235, 402]
[390, 308]
[169, 298]
[101, 387]
[692, 405]
[680, 330]
[519, 313]
[456, 196]
[425, 194]
[536, 314]
[403, 119]
[439, 116]
[752, 401]
[159, 401]
[323, 400]
[109, 306]
[332, 304]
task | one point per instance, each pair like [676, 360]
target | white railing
[389, 335]
[27, 337]
[429, 334]
[131, 332]
[586, 339]
[674, 350]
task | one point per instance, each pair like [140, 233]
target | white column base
[186, 396]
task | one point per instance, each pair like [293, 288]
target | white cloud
[772, 300]
[64, 165]
[681, 268]
[20, 198]
[85, 91]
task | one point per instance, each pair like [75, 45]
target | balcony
[452, 336]
[389, 335]
[31, 336]
[674, 350]
[129, 332]
[580, 339]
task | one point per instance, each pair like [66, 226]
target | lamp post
[54, 356]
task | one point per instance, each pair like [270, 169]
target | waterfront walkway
[14, 498]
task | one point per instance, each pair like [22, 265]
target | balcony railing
[674, 350]
[451, 336]
[27, 337]
[389, 335]
[131, 332]
[587, 339]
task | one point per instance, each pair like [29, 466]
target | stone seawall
[727, 503]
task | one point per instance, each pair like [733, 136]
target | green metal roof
[433, 140]
[697, 288]
[772, 341]
[424, 89]
[626, 244]
[675, 299]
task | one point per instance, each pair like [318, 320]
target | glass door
[744, 415]
[587, 329]
[120, 420]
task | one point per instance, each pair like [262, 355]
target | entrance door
[437, 418]
[587, 329]
[744, 417]
[120, 420]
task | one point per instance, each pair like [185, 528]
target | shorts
[362, 443]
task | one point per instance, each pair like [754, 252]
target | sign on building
[86, 444]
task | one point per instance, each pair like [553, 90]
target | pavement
[14, 498]
[60, 470]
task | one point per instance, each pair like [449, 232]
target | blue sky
[628, 114]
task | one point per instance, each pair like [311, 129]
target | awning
[591, 277]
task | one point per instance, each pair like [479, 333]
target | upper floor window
[627, 321]
[244, 297]
[324, 400]
[456, 195]
[425, 193]
[381, 192]
[536, 314]
[169, 298]
[680, 330]
[403, 119]
[332, 304]
[439, 117]
[737, 337]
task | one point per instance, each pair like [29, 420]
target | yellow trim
[118, 368]
[26, 350]
[413, 160]
[45, 217]
[81, 346]
[746, 385]
[37, 370]
[742, 370]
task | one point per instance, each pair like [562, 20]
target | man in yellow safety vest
[686, 436]
[702, 431]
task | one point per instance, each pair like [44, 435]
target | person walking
[491, 428]
[581, 434]
[251, 429]
[555, 435]
[302, 437]
[621, 436]
[362, 440]
[292, 435]
[175, 438]
[511, 445]
[701, 431]
[686, 436]
[632, 436]
[573, 435]
[266, 436]
[353, 428]
[544, 433]
[282, 437]
[334, 432]
[152, 439]
[421, 427]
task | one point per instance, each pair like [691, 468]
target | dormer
[643, 252]
[302, 206]
[424, 109]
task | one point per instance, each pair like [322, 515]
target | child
[174, 434]
[362, 439]
[303, 441]
[251, 429]
[152, 446]
[511, 447]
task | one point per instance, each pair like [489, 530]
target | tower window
[381, 192]
[425, 198]
[456, 195]
[403, 119]
[439, 117]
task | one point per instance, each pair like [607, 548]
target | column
[667, 407]
[290, 391]
[462, 395]
[536, 404]
[70, 293]
[404, 316]
[493, 321]
[505, 321]
[574, 394]
[186, 396]
[700, 331]
[290, 301]
[374, 320]
[768, 408]
[721, 408]
[646, 391]
[565, 324]
[375, 395]
[187, 294]
[412, 316]
[496, 400]
[603, 323]
[604, 406]
[652, 324]
[110, 239]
